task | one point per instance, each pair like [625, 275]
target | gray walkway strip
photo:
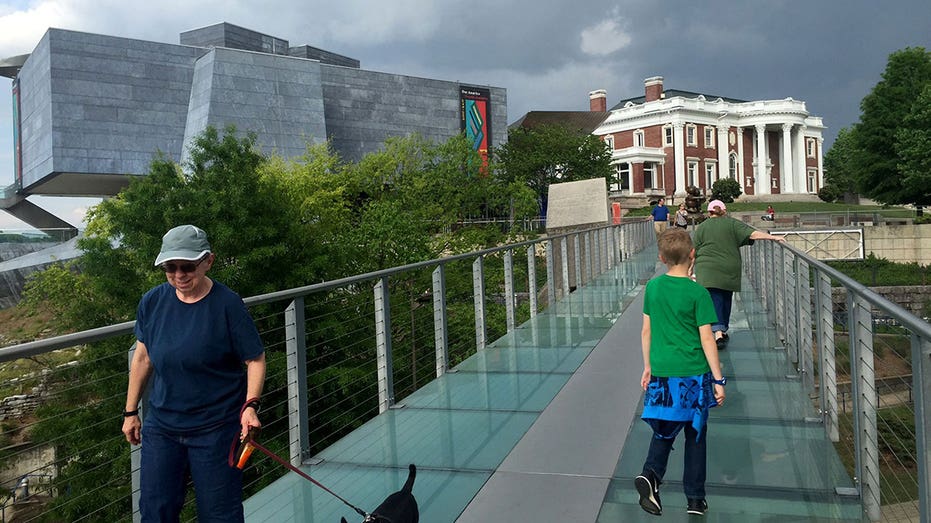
[560, 470]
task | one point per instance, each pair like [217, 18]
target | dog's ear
[343, 520]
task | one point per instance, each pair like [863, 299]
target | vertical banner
[475, 118]
[17, 136]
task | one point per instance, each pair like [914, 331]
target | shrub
[726, 189]
[830, 193]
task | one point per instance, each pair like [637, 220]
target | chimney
[654, 88]
[598, 100]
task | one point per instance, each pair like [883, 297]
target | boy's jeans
[722, 300]
[693, 476]
[166, 459]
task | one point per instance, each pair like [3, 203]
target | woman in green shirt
[718, 263]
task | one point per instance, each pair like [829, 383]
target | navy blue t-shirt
[197, 351]
[660, 213]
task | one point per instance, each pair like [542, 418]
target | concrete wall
[899, 243]
[36, 113]
[363, 108]
[279, 98]
[234, 37]
[114, 102]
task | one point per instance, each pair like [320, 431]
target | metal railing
[338, 353]
[840, 336]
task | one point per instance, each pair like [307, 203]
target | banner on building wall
[475, 118]
[17, 136]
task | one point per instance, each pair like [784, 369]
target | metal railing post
[509, 288]
[383, 345]
[532, 279]
[921, 390]
[440, 324]
[790, 303]
[135, 453]
[865, 402]
[806, 340]
[577, 256]
[589, 259]
[478, 293]
[825, 333]
[550, 273]
[298, 401]
[564, 252]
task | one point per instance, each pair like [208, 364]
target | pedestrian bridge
[514, 409]
[543, 425]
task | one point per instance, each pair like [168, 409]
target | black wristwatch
[722, 382]
[130, 413]
[255, 404]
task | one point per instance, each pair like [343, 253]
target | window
[692, 171]
[732, 166]
[638, 138]
[667, 136]
[810, 147]
[709, 136]
[609, 142]
[649, 175]
[621, 181]
[710, 174]
[812, 180]
[691, 137]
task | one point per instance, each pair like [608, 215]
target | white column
[722, 152]
[801, 172]
[762, 176]
[820, 163]
[786, 163]
[678, 139]
[630, 178]
[740, 159]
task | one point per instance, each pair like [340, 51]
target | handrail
[906, 318]
[78, 338]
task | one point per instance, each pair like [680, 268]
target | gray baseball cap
[184, 242]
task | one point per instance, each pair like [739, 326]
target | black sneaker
[697, 507]
[648, 488]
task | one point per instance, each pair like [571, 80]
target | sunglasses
[186, 268]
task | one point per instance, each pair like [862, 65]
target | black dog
[400, 507]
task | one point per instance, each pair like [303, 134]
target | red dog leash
[248, 444]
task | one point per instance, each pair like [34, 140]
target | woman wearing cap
[198, 343]
[718, 263]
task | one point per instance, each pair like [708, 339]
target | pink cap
[716, 203]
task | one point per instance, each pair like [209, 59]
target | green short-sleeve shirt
[677, 307]
[717, 252]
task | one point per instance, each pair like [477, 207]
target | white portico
[683, 139]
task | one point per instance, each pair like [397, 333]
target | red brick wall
[773, 150]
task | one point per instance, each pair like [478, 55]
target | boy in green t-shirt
[681, 373]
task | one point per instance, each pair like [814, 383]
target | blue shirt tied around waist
[671, 401]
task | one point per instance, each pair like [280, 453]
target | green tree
[539, 156]
[840, 166]
[913, 145]
[883, 111]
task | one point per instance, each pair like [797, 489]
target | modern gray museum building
[91, 110]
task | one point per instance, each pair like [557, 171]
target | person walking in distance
[718, 263]
[681, 373]
[660, 214]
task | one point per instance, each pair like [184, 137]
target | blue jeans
[166, 460]
[722, 305]
[693, 475]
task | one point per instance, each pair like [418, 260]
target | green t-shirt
[677, 307]
[717, 252]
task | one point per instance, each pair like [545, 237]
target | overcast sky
[548, 55]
